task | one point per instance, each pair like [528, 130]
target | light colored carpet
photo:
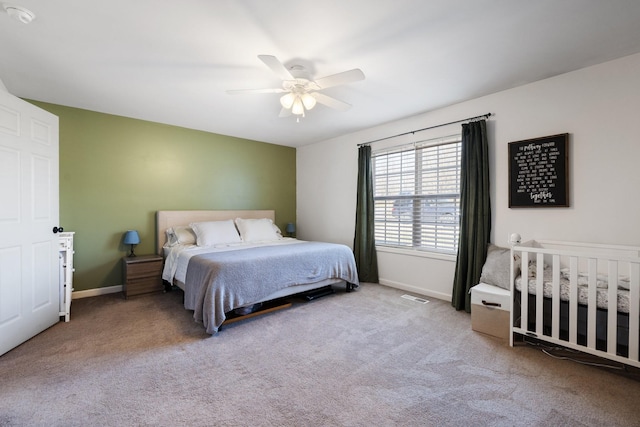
[368, 358]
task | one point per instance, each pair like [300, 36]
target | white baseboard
[96, 291]
[415, 289]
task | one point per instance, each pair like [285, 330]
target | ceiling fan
[301, 92]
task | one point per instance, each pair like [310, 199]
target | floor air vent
[416, 299]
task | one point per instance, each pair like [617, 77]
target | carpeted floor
[360, 359]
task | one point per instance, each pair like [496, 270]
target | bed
[236, 264]
[581, 296]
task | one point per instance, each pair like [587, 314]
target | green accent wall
[116, 172]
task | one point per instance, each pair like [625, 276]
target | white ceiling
[171, 61]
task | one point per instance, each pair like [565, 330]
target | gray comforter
[219, 282]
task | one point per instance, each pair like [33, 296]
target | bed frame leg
[350, 286]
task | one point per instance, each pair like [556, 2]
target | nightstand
[142, 274]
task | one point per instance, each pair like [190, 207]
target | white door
[29, 265]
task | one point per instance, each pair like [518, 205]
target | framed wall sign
[539, 172]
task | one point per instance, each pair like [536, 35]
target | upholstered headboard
[166, 219]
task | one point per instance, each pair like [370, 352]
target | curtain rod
[486, 116]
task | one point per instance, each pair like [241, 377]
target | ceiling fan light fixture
[287, 100]
[309, 101]
[299, 92]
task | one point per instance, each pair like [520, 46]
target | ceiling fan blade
[341, 78]
[284, 112]
[330, 102]
[276, 66]
[243, 91]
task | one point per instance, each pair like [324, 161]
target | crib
[580, 296]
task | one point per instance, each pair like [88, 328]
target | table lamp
[132, 238]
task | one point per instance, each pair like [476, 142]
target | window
[417, 196]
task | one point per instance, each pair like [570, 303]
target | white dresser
[66, 273]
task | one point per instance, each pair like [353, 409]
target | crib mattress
[602, 291]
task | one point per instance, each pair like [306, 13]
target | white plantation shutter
[417, 196]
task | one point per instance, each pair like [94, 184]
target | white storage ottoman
[490, 309]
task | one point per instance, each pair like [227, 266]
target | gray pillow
[496, 268]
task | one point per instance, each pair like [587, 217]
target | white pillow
[215, 232]
[256, 230]
[182, 235]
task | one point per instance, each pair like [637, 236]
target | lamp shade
[297, 107]
[287, 100]
[309, 101]
[291, 228]
[131, 237]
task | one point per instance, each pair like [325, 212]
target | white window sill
[416, 253]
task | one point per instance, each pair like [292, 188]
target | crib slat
[591, 301]
[573, 300]
[634, 311]
[524, 292]
[512, 290]
[539, 293]
[555, 298]
[612, 319]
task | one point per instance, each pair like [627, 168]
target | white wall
[598, 106]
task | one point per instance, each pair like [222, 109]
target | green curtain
[364, 242]
[475, 212]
